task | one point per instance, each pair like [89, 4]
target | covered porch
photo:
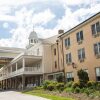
[22, 82]
[23, 71]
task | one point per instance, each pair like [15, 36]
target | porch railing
[25, 70]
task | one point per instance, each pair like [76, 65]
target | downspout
[63, 62]
[58, 55]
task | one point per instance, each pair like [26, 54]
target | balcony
[25, 70]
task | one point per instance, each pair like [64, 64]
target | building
[63, 54]
[31, 66]
[81, 48]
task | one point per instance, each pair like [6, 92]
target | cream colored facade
[91, 61]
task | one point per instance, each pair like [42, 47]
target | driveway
[12, 95]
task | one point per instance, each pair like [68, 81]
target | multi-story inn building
[81, 49]
[63, 54]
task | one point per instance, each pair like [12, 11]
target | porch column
[23, 63]
[10, 84]
[16, 66]
[11, 69]
[23, 82]
[16, 82]
[2, 84]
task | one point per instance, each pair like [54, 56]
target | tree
[83, 77]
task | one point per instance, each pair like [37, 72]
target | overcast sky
[17, 18]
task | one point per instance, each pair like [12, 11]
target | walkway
[12, 95]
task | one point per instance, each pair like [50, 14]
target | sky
[18, 17]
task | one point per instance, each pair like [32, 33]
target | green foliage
[75, 84]
[83, 78]
[68, 89]
[89, 91]
[90, 83]
[60, 78]
[46, 83]
[60, 86]
[51, 87]
[77, 90]
[69, 84]
[98, 86]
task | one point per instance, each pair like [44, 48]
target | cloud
[43, 17]
[25, 17]
[5, 25]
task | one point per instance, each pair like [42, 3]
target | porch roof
[26, 56]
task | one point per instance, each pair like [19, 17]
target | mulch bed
[76, 96]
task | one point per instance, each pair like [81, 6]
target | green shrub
[60, 87]
[89, 91]
[90, 83]
[69, 84]
[83, 78]
[82, 90]
[51, 87]
[98, 86]
[77, 90]
[68, 89]
[46, 83]
[75, 84]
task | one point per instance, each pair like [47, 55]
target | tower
[33, 38]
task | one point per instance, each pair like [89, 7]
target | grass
[48, 96]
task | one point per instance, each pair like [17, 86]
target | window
[68, 58]
[54, 51]
[38, 66]
[35, 41]
[79, 36]
[67, 42]
[97, 48]
[70, 76]
[98, 74]
[55, 64]
[95, 28]
[31, 40]
[81, 53]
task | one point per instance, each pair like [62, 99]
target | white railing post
[16, 66]
[23, 64]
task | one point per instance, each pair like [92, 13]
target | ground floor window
[54, 76]
[70, 76]
[98, 74]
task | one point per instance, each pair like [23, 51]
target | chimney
[60, 31]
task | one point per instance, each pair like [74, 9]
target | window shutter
[81, 35]
[95, 49]
[98, 27]
[68, 41]
[93, 29]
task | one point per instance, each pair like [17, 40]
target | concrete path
[12, 95]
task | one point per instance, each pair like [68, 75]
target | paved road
[12, 95]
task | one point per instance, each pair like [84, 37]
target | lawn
[48, 96]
